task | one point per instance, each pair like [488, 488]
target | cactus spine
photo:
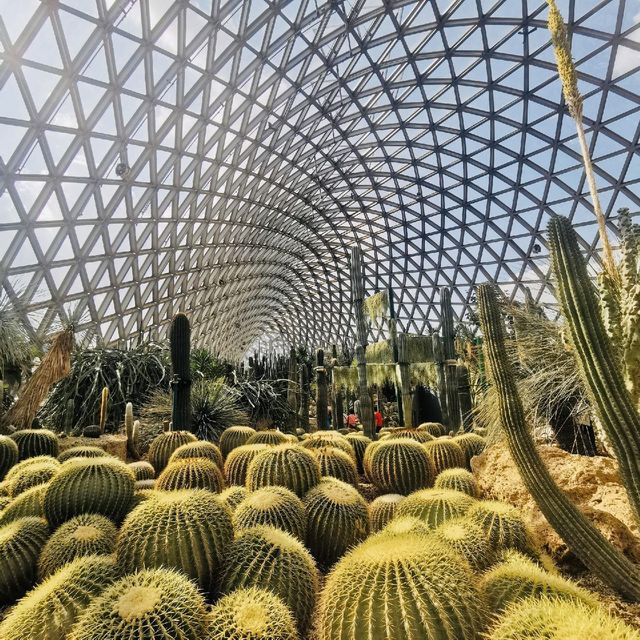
[579, 533]
[322, 392]
[104, 408]
[180, 338]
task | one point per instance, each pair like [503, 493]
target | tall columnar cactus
[337, 519]
[89, 485]
[187, 530]
[408, 589]
[322, 392]
[303, 411]
[292, 391]
[237, 462]
[268, 558]
[35, 442]
[104, 408]
[357, 299]
[450, 364]
[9, 455]
[579, 533]
[464, 396]
[20, 544]
[49, 610]
[233, 437]
[435, 506]
[131, 429]
[337, 405]
[164, 445]
[180, 338]
[156, 604]
[69, 416]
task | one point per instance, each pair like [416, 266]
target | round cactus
[142, 470]
[82, 452]
[557, 619]
[191, 473]
[274, 506]
[157, 604]
[286, 465]
[20, 544]
[337, 519]
[25, 464]
[435, 506]
[164, 445]
[198, 449]
[359, 443]
[35, 442]
[270, 437]
[4, 502]
[467, 539]
[4, 488]
[366, 458]
[144, 485]
[187, 530]
[401, 590]
[399, 466]
[85, 535]
[445, 454]
[413, 434]
[503, 525]
[471, 444]
[436, 429]
[382, 510]
[49, 610]
[403, 525]
[28, 504]
[238, 460]
[233, 496]
[519, 578]
[251, 614]
[322, 439]
[89, 485]
[458, 480]
[337, 463]
[32, 476]
[272, 559]
[9, 455]
[233, 437]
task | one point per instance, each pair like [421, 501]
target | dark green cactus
[359, 444]
[238, 461]
[450, 365]
[336, 463]
[199, 449]
[89, 485]
[187, 530]
[322, 392]
[286, 465]
[233, 437]
[382, 510]
[467, 539]
[164, 445]
[82, 452]
[458, 480]
[191, 473]
[21, 542]
[36, 442]
[435, 506]
[69, 417]
[85, 535]
[268, 558]
[142, 470]
[28, 504]
[444, 453]
[180, 338]
[32, 475]
[9, 455]
[303, 410]
[436, 429]
[271, 436]
[471, 444]
[233, 496]
[582, 537]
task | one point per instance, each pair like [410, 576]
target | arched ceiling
[261, 139]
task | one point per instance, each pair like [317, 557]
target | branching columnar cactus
[180, 339]
[580, 534]
[142, 470]
[519, 578]
[322, 391]
[408, 589]
[82, 452]
[471, 444]
[104, 408]
[131, 428]
[271, 559]
[198, 449]
[89, 485]
[251, 614]
[383, 509]
[233, 496]
[238, 461]
[359, 443]
[271, 437]
[35, 442]
[337, 519]
[596, 358]
[435, 506]
[400, 466]
[31, 476]
[287, 465]
[157, 604]
[9, 455]
[458, 480]
[436, 429]
[188, 530]
[553, 619]
[27, 504]
[336, 463]
[164, 445]
[273, 506]
[467, 539]
[21, 542]
[233, 437]
[444, 453]
[49, 610]
[85, 535]
[191, 473]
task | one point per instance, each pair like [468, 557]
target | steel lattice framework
[220, 157]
